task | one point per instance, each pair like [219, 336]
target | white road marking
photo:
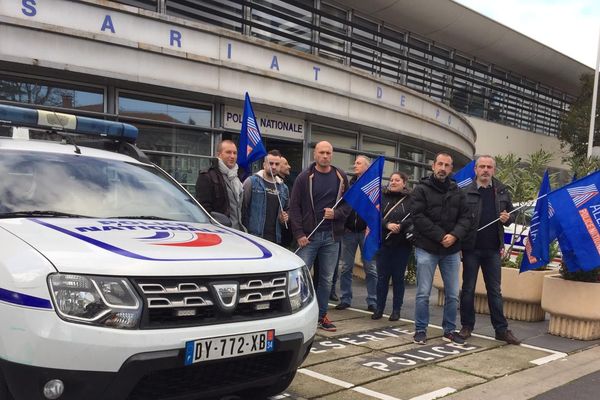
[555, 355]
[372, 393]
[326, 378]
[435, 394]
[346, 385]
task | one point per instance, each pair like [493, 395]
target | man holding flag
[316, 224]
[490, 203]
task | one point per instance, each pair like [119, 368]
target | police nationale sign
[269, 124]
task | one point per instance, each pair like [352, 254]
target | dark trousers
[489, 260]
[391, 263]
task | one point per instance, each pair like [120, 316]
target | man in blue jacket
[264, 196]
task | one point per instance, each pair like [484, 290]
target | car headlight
[300, 288]
[95, 300]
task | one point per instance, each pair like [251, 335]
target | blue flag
[575, 208]
[365, 197]
[250, 146]
[537, 244]
[466, 175]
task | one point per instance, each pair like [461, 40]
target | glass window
[51, 94]
[225, 13]
[176, 150]
[383, 148]
[332, 35]
[165, 112]
[411, 153]
[339, 139]
[272, 16]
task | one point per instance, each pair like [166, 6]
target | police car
[116, 284]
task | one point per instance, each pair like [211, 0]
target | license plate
[229, 346]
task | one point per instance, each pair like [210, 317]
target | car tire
[264, 392]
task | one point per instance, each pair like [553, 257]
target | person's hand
[448, 240]
[394, 228]
[303, 242]
[329, 213]
[504, 216]
[283, 217]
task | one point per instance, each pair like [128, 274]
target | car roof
[46, 146]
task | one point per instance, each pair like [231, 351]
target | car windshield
[63, 185]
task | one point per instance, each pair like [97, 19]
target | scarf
[235, 192]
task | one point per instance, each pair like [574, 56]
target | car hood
[148, 247]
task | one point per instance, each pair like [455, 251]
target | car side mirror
[221, 218]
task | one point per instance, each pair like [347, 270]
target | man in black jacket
[490, 204]
[219, 188]
[441, 219]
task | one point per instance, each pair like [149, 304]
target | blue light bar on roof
[19, 116]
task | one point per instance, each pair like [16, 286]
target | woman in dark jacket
[395, 250]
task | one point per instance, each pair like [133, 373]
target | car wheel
[262, 393]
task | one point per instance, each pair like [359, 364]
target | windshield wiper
[153, 217]
[41, 213]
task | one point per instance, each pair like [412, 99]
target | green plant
[411, 269]
[581, 276]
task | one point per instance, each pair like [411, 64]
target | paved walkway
[368, 359]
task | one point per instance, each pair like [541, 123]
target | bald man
[315, 192]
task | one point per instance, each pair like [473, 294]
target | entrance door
[292, 151]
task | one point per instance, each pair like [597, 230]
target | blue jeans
[350, 242]
[426, 264]
[391, 263]
[323, 245]
[489, 260]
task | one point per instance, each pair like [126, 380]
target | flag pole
[321, 222]
[389, 233]
[594, 97]
[276, 191]
[528, 203]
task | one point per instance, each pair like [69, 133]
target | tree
[575, 126]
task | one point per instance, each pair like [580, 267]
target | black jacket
[503, 202]
[388, 200]
[436, 213]
[354, 223]
[211, 191]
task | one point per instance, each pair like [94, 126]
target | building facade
[366, 79]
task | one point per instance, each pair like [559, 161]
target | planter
[573, 307]
[521, 293]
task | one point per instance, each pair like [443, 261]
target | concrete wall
[496, 139]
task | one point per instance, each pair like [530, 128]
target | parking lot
[367, 359]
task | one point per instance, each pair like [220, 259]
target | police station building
[401, 78]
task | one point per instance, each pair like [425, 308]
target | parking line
[346, 385]
[372, 393]
[435, 394]
[326, 378]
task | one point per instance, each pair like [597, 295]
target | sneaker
[342, 306]
[394, 316]
[454, 337]
[465, 332]
[334, 297]
[326, 325]
[377, 315]
[371, 308]
[420, 338]
[508, 337]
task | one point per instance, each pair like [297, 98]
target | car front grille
[192, 301]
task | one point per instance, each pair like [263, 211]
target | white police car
[115, 284]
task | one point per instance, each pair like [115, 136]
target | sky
[568, 26]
